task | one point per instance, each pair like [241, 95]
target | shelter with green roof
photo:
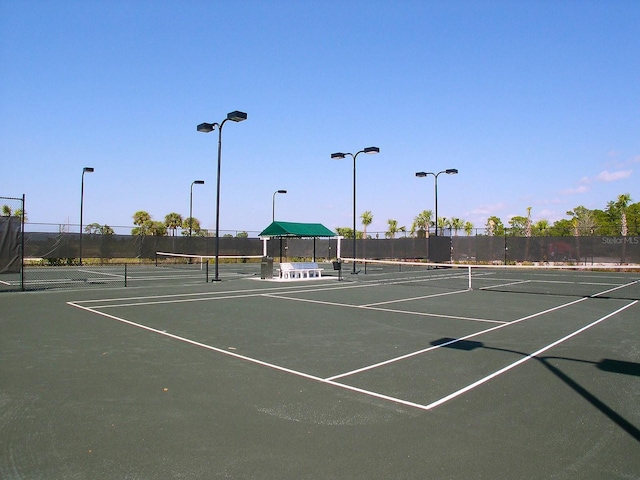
[296, 230]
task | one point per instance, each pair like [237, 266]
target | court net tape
[598, 281]
[183, 260]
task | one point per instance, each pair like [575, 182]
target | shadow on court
[105, 390]
[606, 365]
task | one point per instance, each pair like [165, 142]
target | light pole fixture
[340, 156]
[84, 170]
[448, 171]
[207, 128]
[273, 216]
[195, 182]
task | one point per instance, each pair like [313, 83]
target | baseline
[332, 380]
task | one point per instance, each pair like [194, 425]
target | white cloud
[607, 176]
[604, 176]
[575, 191]
[487, 209]
[549, 201]
[585, 181]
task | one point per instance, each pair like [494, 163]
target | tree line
[619, 218]
[7, 211]
[189, 226]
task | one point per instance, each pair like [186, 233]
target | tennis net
[198, 265]
[188, 261]
[601, 281]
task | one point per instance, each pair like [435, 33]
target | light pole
[84, 170]
[207, 128]
[195, 182]
[448, 171]
[339, 156]
[273, 216]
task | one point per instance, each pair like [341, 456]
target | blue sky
[536, 103]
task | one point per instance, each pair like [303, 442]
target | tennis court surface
[396, 372]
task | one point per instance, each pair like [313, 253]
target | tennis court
[397, 372]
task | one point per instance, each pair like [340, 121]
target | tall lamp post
[84, 170]
[195, 182]
[448, 171]
[207, 128]
[273, 210]
[339, 156]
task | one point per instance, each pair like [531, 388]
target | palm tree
[583, 220]
[367, 218]
[456, 224]
[393, 228]
[421, 224]
[468, 228]
[192, 222]
[540, 227]
[441, 224]
[158, 229]
[345, 232]
[97, 229]
[494, 226]
[18, 213]
[140, 217]
[143, 221]
[173, 221]
[6, 211]
[518, 226]
[623, 202]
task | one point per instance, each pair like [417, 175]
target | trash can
[266, 268]
[337, 265]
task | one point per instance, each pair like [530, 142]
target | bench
[300, 270]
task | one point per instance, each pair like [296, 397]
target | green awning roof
[291, 229]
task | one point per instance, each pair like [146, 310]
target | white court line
[217, 296]
[522, 360]
[380, 309]
[413, 298]
[519, 282]
[256, 291]
[101, 273]
[331, 380]
[467, 337]
[614, 289]
[252, 360]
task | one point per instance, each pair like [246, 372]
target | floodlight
[237, 116]
[206, 127]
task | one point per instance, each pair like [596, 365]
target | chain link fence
[41, 252]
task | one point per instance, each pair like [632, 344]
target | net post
[22, 220]
[206, 275]
[125, 274]
[469, 269]
[156, 259]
